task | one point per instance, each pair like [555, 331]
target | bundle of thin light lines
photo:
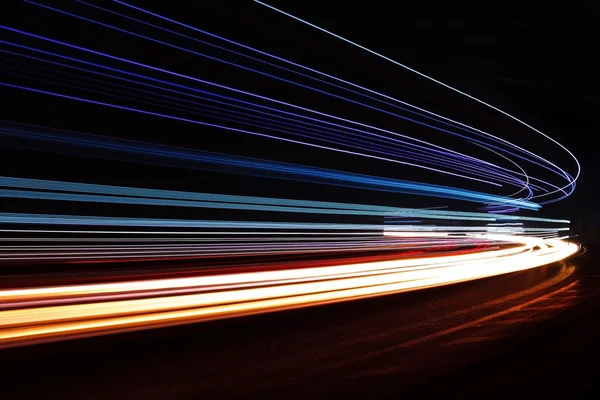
[283, 252]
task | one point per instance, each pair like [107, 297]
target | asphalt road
[525, 333]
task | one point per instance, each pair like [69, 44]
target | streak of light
[571, 183]
[394, 101]
[268, 291]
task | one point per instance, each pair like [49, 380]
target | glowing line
[304, 67]
[446, 86]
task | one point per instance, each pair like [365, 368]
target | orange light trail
[41, 314]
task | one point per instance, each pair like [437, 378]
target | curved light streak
[451, 88]
[566, 175]
[577, 174]
[229, 295]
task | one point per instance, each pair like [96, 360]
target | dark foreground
[530, 334]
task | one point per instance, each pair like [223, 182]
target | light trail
[480, 169]
[320, 73]
[217, 86]
[93, 146]
[114, 194]
[572, 180]
[268, 291]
